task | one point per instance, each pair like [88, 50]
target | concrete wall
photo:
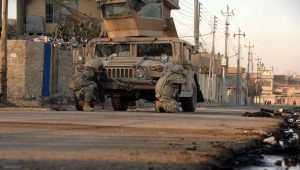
[25, 71]
[61, 72]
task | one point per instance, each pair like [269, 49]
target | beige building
[264, 87]
[42, 16]
[286, 89]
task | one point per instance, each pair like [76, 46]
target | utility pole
[249, 46]
[4, 50]
[196, 23]
[227, 14]
[252, 67]
[238, 75]
[212, 58]
[257, 77]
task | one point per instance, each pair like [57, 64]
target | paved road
[139, 139]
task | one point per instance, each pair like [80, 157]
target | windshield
[112, 50]
[116, 10]
[154, 49]
[149, 9]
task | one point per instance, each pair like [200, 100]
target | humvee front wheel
[189, 104]
[119, 103]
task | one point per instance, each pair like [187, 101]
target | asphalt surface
[137, 139]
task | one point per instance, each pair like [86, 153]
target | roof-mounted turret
[123, 18]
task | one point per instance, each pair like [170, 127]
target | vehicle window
[112, 50]
[116, 10]
[154, 49]
[146, 8]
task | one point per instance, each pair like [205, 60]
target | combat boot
[87, 107]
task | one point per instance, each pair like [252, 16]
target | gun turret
[126, 18]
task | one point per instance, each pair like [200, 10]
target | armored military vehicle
[141, 46]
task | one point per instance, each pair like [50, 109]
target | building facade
[43, 16]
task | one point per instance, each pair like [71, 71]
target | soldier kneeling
[167, 90]
[88, 83]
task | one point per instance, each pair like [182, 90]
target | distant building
[286, 89]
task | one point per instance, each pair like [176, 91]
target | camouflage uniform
[87, 82]
[167, 89]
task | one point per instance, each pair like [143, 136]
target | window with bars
[51, 10]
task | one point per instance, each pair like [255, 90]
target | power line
[199, 35]
[211, 15]
[205, 9]
[183, 18]
[187, 2]
[186, 6]
[182, 23]
[233, 47]
[185, 14]
[182, 9]
[189, 31]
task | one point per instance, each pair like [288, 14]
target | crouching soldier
[88, 84]
[167, 90]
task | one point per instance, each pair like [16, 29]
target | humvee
[141, 46]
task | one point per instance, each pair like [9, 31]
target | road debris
[283, 144]
[270, 140]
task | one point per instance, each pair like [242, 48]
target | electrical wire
[186, 6]
[187, 2]
[182, 22]
[185, 19]
[182, 9]
[233, 47]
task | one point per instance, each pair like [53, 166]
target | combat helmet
[96, 63]
[177, 69]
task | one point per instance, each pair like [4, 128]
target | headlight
[140, 73]
[164, 58]
[79, 58]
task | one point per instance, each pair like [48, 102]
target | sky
[11, 8]
[272, 26]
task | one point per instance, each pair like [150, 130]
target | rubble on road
[257, 114]
[285, 142]
[264, 113]
[270, 140]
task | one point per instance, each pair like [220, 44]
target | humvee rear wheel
[189, 104]
[119, 103]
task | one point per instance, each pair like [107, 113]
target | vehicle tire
[77, 104]
[119, 103]
[189, 104]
